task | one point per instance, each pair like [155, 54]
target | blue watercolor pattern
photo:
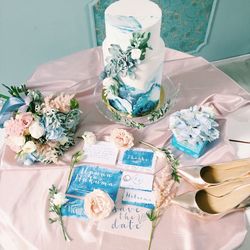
[138, 158]
[87, 178]
[126, 24]
[73, 208]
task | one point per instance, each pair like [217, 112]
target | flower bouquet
[193, 129]
[39, 128]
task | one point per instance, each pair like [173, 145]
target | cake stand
[169, 92]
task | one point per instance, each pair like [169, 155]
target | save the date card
[137, 159]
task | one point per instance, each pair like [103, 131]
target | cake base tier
[169, 92]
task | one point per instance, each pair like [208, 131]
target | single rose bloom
[122, 138]
[29, 147]
[89, 138]
[25, 119]
[98, 205]
[14, 127]
[36, 130]
[15, 143]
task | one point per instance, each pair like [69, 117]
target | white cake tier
[145, 71]
[124, 17]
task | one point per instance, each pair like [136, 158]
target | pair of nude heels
[223, 188]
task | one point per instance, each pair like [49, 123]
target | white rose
[98, 205]
[36, 130]
[89, 138]
[135, 54]
[15, 142]
[29, 147]
[18, 140]
[107, 82]
[59, 199]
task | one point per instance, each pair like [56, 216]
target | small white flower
[135, 54]
[98, 205]
[36, 130]
[89, 138]
[29, 147]
[63, 140]
[59, 199]
[160, 154]
[208, 110]
[107, 82]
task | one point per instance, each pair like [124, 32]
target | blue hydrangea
[194, 125]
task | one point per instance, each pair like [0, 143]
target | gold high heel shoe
[217, 201]
[214, 174]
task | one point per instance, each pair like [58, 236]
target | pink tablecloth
[24, 191]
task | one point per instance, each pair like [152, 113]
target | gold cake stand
[169, 92]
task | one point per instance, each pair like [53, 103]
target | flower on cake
[136, 54]
[89, 138]
[122, 138]
[98, 205]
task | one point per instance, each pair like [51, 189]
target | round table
[24, 191]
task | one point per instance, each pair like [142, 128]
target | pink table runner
[24, 191]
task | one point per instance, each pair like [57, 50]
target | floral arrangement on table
[193, 129]
[39, 128]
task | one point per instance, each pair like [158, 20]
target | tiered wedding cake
[133, 52]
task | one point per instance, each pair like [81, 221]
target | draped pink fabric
[24, 190]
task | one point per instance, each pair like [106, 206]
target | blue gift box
[195, 151]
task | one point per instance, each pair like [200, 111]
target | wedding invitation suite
[137, 159]
[101, 153]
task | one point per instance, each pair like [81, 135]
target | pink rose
[25, 118]
[14, 127]
[98, 205]
[122, 138]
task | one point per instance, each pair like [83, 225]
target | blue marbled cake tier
[137, 102]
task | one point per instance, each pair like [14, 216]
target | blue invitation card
[138, 158]
[73, 208]
[87, 178]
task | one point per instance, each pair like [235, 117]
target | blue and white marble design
[140, 102]
[126, 24]
[87, 178]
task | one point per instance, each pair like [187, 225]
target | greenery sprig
[76, 158]
[56, 200]
[153, 216]
[156, 115]
[128, 122]
[140, 41]
[16, 91]
[170, 157]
